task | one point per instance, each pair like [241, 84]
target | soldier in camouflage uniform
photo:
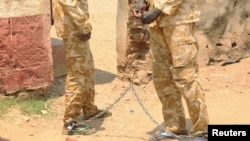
[175, 69]
[72, 25]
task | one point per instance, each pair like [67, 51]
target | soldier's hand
[149, 16]
[140, 7]
[84, 37]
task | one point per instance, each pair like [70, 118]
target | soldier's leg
[168, 94]
[73, 95]
[184, 52]
[88, 107]
[79, 87]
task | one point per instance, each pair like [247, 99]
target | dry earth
[227, 93]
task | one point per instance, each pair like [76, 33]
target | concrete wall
[25, 48]
[224, 30]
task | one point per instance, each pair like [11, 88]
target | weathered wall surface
[223, 33]
[25, 47]
[224, 30]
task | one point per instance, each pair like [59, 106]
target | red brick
[4, 34]
[6, 61]
[30, 44]
[26, 54]
[30, 78]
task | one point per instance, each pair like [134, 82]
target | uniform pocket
[182, 44]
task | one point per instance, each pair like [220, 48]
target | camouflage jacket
[176, 12]
[71, 16]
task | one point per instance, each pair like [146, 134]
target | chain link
[162, 129]
[144, 109]
[122, 94]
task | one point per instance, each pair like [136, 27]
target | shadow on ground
[103, 77]
[58, 86]
[157, 129]
[3, 139]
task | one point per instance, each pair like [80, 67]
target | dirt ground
[227, 91]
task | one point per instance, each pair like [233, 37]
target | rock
[230, 61]
[70, 139]
[44, 112]
[27, 119]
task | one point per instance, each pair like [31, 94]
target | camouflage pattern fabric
[175, 70]
[71, 16]
[177, 11]
[80, 91]
[71, 20]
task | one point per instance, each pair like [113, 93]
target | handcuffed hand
[149, 16]
[140, 7]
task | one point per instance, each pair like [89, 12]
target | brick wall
[25, 46]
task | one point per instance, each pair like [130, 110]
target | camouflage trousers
[175, 75]
[80, 91]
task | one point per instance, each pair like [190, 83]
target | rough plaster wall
[20, 8]
[224, 30]
[25, 47]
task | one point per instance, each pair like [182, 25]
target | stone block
[25, 46]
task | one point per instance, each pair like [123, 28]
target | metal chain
[144, 109]
[122, 94]
[163, 130]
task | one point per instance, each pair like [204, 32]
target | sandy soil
[227, 93]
